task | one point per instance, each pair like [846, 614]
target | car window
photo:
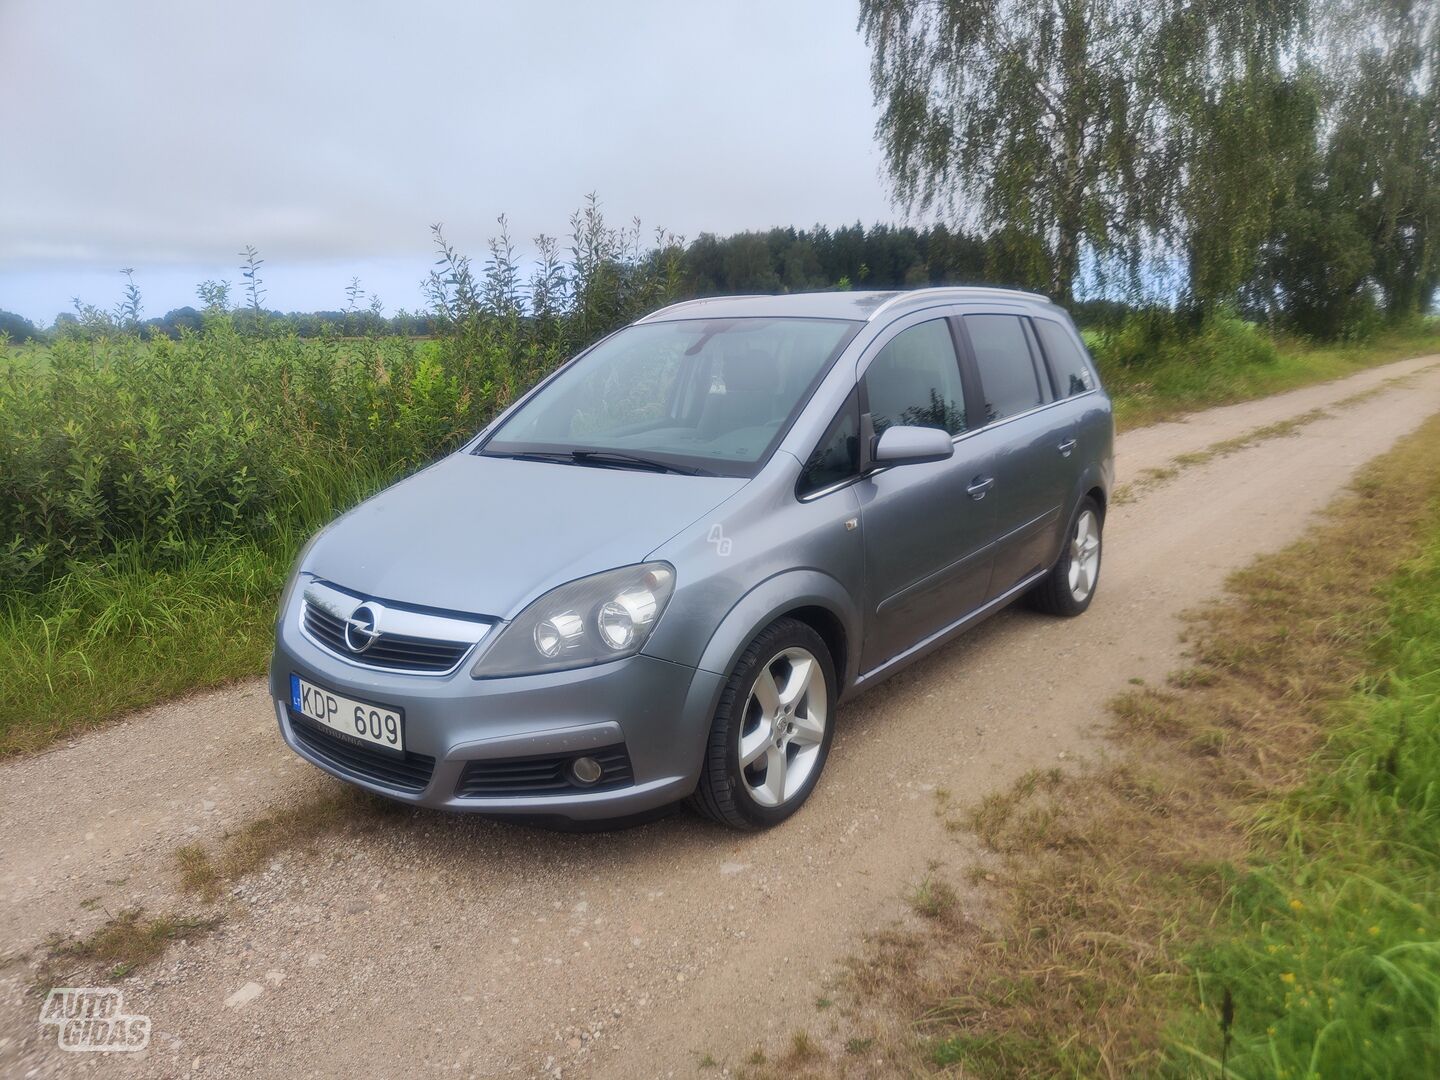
[915, 381]
[1007, 369]
[837, 456]
[1072, 373]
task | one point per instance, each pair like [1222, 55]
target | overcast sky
[167, 134]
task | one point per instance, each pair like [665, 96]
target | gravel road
[426, 944]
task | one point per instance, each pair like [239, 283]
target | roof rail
[697, 300]
[957, 292]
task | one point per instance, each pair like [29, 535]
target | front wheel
[772, 729]
[1070, 586]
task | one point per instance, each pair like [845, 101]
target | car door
[1076, 387]
[1031, 440]
[927, 526]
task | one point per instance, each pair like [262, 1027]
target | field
[153, 494]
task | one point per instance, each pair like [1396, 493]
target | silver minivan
[657, 575]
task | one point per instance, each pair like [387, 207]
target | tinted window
[837, 456]
[915, 381]
[1072, 373]
[1007, 370]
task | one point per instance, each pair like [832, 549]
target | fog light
[586, 770]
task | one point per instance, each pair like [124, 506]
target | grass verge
[1249, 878]
[118, 635]
[1161, 391]
[1327, 953]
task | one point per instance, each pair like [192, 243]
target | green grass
[1330, 945]
[118, 635]
[153, 496]
[1175, 383]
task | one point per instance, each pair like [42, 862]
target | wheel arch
[831, 630]
[1094, 481]
[809, 596]
[1098, 494]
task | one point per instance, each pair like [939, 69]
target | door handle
[979, 486]
[1065, 447]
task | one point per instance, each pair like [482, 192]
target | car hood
[485, 535]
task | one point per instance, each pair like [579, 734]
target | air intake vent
[546, 775]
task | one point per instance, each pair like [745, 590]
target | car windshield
[705, 395]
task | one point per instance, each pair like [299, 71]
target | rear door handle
[1065, 447]
[979, 486]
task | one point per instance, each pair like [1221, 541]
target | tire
[785, 761]
[1062, 592]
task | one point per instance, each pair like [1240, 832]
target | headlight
[602, 617]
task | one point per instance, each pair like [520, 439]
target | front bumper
[657, 711]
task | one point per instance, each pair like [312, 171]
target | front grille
[396, 652]
[409, 773]
[545, 775]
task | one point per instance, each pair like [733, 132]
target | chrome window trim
[993, 424]
[832, 488]
[340, 604]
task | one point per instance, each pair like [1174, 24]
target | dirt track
[437, 944]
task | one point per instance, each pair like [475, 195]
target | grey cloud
[169, 134]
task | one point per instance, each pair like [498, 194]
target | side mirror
[912, 445]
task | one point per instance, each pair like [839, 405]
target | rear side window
[1072, 373]
[1007, 369]
[837, 455]
[915, 381]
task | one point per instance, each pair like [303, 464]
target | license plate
[376, 725]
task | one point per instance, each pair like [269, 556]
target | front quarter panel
[755, 557]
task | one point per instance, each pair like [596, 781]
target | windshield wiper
[608, 459]
[620, 459]
[555, 457]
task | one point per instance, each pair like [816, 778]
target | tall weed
[238, 431]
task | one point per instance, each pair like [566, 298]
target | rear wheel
[772, 729]
[1070, 586]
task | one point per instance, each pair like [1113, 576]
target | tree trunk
[1070, 198]
[1067, 260]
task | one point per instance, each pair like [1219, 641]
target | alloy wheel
[1084, 555]
[783, 726]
